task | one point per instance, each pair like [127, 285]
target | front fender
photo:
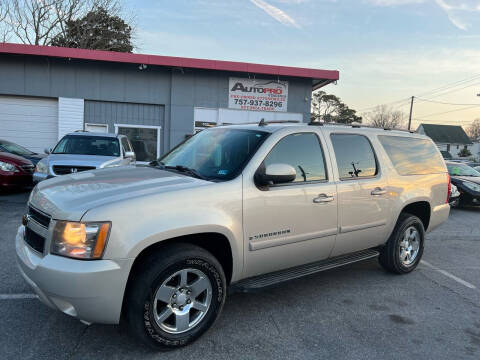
[141, 222]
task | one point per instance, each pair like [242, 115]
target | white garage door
[30, 122]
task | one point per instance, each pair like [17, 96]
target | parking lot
[355, 312]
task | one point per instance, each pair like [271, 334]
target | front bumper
[17, 180]
[91, 291]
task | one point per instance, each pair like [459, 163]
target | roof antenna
[262, 122]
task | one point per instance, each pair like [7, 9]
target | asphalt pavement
[355, 312]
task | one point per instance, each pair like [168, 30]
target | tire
[394, 255]
[177, 280]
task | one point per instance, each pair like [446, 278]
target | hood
[473, 179]
[35, 158]
[68, 197]
[14, 159]
[80, 160]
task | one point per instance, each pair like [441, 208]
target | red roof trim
[112, 56]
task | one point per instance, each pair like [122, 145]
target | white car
[81, 151]
[241, 206]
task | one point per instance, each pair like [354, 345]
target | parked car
[242, 206]
[81, 151]
[467, 180]
[15, 149]
[454, 196]
[15, 171]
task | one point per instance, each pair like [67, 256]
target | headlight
[4, 166]
[472, 186]
[41, 168]
[80, 240]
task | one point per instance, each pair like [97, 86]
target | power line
[454, 90]
[461, 122]
[445, 103]
[389, 103]
[450, 85]
[450, 111]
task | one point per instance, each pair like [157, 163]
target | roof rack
[319, 123]
[262, 122]
[265, 123]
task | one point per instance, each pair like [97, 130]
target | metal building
[46, 92]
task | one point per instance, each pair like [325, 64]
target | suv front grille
[39, 217]
[66, 169]
[34, 240]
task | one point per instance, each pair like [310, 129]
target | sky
[386, 50]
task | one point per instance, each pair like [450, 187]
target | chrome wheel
[182, 301]
[409, 246]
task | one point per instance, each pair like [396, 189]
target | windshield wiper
[182, 169]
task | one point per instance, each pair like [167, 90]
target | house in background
[451, 138]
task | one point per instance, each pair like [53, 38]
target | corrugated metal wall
[156, 95]
[111, 113]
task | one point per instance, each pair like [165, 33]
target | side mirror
[275, 174]
[129, 155]
[47, 151]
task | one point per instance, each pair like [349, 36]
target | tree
[38, 22]
[3, 16]
[96, 30]
[329, 108]
[384, 117]
[473, 130]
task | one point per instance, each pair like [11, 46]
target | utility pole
[410, 117]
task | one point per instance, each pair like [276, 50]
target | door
[363, 200]
[145, 141]
[29, 122]
[295, 223]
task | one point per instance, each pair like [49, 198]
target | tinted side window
[412, 156]
[303, 152]
[355, 156]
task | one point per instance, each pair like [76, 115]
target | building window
[103, 128]
[144, 139]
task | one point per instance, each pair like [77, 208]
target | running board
[261, 281]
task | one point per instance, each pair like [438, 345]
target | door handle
[323, 198]
[378, 191]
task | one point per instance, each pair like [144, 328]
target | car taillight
[449, 188]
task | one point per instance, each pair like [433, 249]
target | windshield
[461, 170]
[88, 145]
[216, 154]
[14, 148]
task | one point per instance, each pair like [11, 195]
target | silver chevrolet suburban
[236, 207]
